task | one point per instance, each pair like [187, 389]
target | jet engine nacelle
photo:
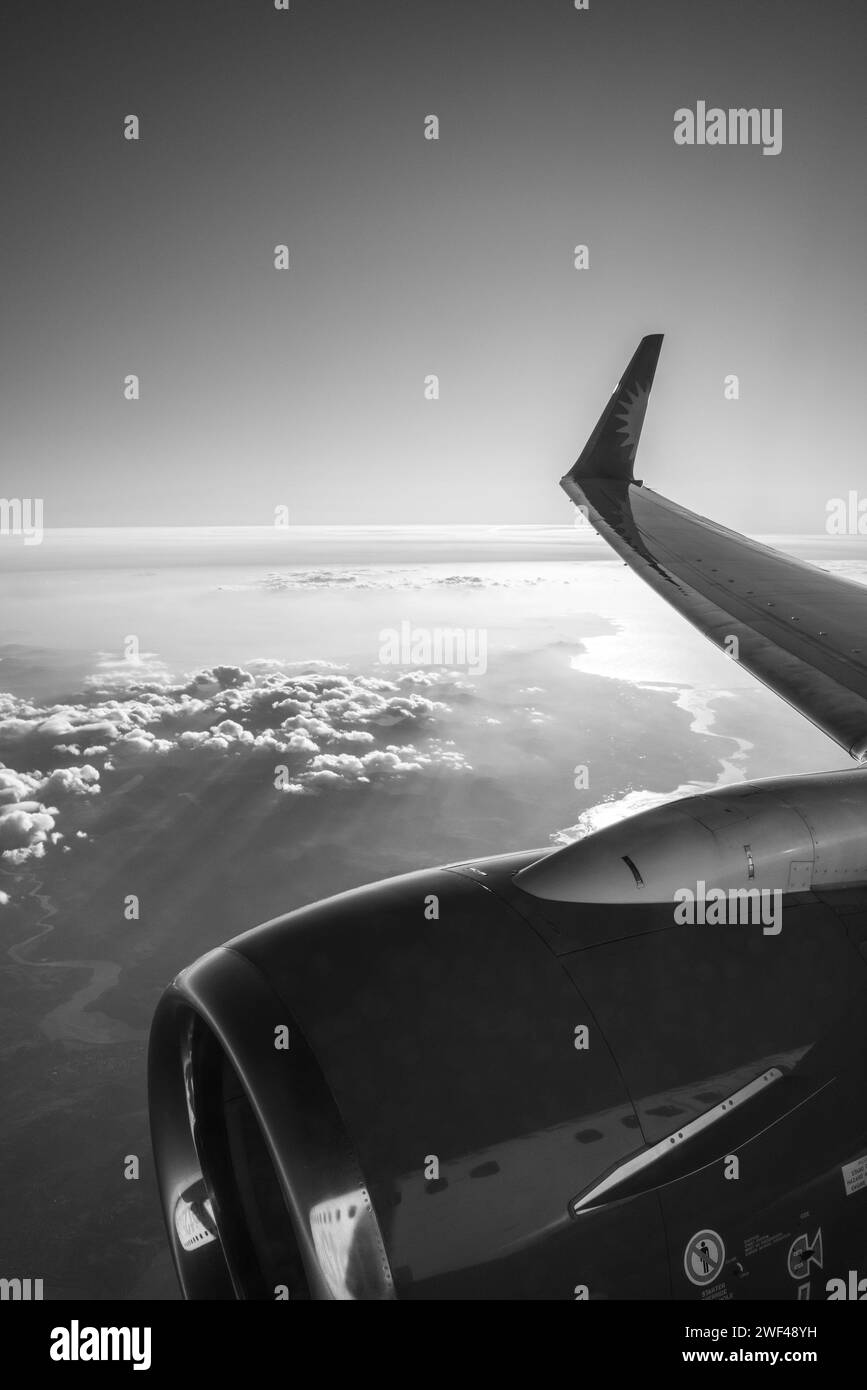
[473, 1082]
[356, 1101]
[793, 834]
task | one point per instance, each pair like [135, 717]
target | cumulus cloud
[24, 831]
[27, 814]
[327, 728]
[71, 781]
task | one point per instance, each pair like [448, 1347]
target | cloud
[24, 831]
[419, 577]
[28, 816]
[71, 781]
[328, 728]
[610, 812]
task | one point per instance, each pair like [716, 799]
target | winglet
[610, 450]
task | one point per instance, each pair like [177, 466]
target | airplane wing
[799, 630]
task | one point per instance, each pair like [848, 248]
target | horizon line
[271, 529]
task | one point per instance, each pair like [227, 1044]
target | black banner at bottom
[234, 1339]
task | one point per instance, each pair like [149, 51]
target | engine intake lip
[261, 1189]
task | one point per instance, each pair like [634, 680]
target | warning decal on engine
[855, 1175]
[704, 1257]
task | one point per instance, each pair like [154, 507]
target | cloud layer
[419, 577]
[314, 727]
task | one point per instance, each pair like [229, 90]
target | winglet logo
[76, 1343]
[631, 413]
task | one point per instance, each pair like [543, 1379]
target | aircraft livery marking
[803, 1253]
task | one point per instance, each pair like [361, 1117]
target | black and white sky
[408, 257]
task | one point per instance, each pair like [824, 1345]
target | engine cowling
[793, 835]
[384, 1095]
[415, 1137]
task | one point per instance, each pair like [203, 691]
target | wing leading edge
[799, 630]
